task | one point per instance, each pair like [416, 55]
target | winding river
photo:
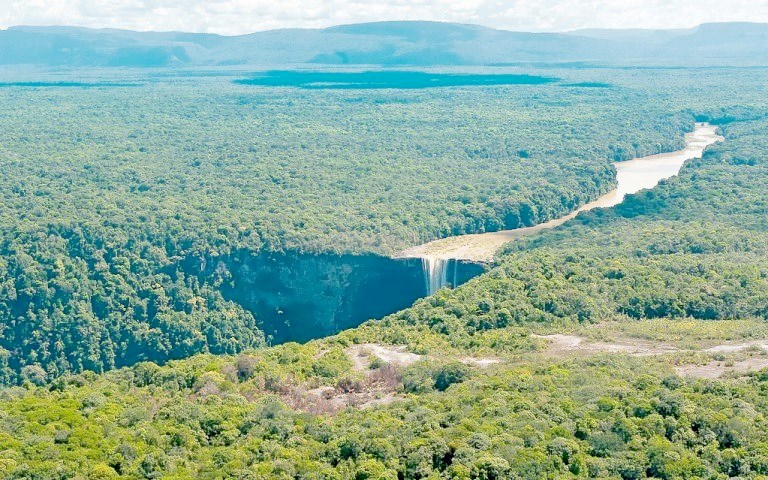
[631, 177]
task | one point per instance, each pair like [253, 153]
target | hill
[710, 44]
[383, 44]
[635, 35]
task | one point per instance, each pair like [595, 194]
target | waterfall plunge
[436, 273]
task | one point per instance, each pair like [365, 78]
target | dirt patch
[717, 369]
[361, 355]
[480, 362]
[382, 400]
[559, 344]
[737, 347]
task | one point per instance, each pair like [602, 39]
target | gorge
[300, 296]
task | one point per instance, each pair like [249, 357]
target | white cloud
[243, 16]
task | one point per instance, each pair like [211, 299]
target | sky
[233, 17]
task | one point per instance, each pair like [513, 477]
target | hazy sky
[242, 16]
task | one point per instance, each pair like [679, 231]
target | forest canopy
[111, 192]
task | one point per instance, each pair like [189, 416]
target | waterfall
[436, 273]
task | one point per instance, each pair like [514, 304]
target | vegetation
[119, 200]
[120, 355]
[528, 417]
[690, 252]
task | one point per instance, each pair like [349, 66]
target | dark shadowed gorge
[299, 297]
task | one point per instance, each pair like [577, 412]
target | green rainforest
[200, 273]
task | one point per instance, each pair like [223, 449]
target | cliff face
[297, 297]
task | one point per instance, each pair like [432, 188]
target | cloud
[232, 17]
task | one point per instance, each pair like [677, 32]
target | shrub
[448, 374]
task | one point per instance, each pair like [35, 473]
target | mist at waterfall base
[299, 297]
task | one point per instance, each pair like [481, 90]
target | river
[631, 177]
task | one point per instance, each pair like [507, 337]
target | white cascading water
[435, 274]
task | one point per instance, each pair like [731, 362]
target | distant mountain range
[385, 44]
